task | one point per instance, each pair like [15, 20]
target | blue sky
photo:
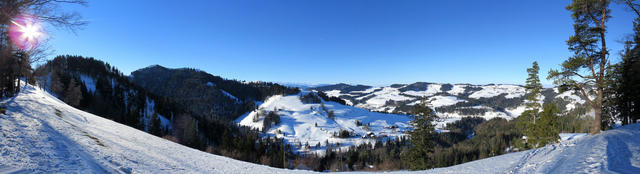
[333, 41]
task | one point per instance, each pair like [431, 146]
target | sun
[26, 32]
[30, 32]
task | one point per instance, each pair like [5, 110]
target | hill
[451, 101]
[40, 133]
[311, 123]
[200, 92]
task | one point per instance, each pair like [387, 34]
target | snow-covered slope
[613, 151]
[44, 135]
[451, 101]
[308, 123]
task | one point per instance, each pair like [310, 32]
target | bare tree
[15, 62]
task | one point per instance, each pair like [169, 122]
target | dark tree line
[622, 98]
[200, 92]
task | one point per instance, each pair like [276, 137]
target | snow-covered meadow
[308, 123]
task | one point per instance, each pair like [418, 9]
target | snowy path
[614, 151]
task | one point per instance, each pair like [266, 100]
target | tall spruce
[627, 74]
[533, 88]
[526, 122]
[422, 138]
[585, 71]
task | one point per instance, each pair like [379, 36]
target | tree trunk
[597, 122]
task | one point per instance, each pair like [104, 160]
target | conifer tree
[626, 100]
[533, 88]
[73, 94]
[546, 130]
[421, 137]
[584, 72]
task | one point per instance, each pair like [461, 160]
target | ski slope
[41, 134]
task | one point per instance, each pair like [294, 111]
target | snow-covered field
[490, 101]
[303, 123]
[41, 134]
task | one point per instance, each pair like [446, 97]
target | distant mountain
[203, 93]
[449, 100]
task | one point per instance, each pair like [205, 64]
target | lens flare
[25, 32]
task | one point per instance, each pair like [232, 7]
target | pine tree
[585, 70]
[546, 130]
[73, 94]
[422, 138]
[533, 88]
[626, 100]
[156, 125]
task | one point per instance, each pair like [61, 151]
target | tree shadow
[619, 156]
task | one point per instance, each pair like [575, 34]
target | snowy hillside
[613, 151]
[42, 134]
[309, 123]
[450, 101]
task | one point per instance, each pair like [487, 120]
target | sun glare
[26, 32]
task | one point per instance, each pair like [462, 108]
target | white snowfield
[34, 139]
[303, 123]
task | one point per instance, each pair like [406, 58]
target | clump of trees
[272, 118]
[325, 97]
[310, 98]
[622, 99]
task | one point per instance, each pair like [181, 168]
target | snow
[164, 122]
[381, 97]
[613, 151]
[438, 101]
[298, 122]
[368, 90]
[512, 91]
[89, 82]
[230, 96]
[211, 84]
[517, 111]
[33, 139]
[457, 89]
[333, 93]
[571, 97]
[571, 136]
[432, 89]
